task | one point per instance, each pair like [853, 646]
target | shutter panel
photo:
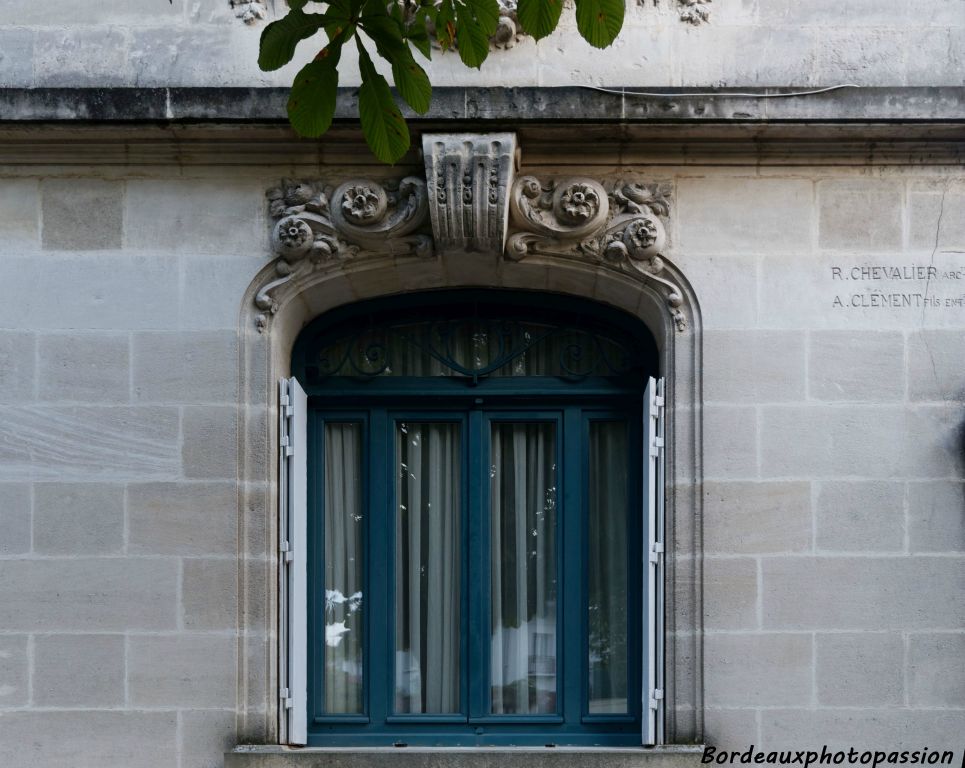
[293, 557]
[653, 541]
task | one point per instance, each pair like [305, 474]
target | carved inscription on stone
[897, 286]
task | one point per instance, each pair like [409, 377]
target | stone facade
[805, 280]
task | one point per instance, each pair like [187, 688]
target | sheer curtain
[427, 568]
[523, 566]
[344, 564]
[607, 582]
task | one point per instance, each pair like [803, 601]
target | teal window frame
[377, 404]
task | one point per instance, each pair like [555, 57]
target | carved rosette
[620, 224]
[317, 224]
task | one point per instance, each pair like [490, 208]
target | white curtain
[427, 568]
[523, 565]
[607, 582]
[343, 569]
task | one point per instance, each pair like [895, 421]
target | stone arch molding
[470, 201]
[468, 221]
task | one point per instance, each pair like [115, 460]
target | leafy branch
[398, 29]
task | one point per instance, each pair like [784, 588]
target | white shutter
[293, 556]
[653, 540]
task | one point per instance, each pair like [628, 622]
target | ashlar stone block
[209, 594]
[210, 447]
[854, 516]
[863, 728]
[754, 366]
[19, 198]
[205, 736]
[730, 593]
[89, 739]
[861, 365]
[743, 215]
[78, 518]
[14, 671]
[730, 442]
[88, 594]
[188, 671]
[860, 669]
[860, 215]
[757, 518]
[66, 443]
[14, 518]
[936, 516]
[79, 670]
[84, 367]
[936, 675]
[185, 366]
[863, 593]
[197, 216]
[82, 214]
[17, 366]
[67, 290]
[936, 365]
[936, 220]
[757, 669]
[187, 519]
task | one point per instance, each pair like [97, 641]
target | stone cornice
[510, 106]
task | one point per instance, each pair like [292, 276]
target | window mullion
[378, 672]
[476, 666]
[572, 608]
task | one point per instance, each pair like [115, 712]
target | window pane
[343, 568]
[427, 566]
[607, 562]
[523, 566]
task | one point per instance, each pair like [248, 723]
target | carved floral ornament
[618, 225]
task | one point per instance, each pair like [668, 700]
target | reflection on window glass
[343, 569]
[427, 564]
[523, 529]
[607, 582]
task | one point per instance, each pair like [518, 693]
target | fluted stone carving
[468, 177]
[579, 218]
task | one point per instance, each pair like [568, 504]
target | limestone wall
[745, 42]
[833, 309]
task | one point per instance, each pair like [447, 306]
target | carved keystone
[469, 176]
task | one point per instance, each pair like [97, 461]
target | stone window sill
[673, 756]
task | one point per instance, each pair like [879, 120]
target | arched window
[476, 521]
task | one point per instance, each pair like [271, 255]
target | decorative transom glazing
[474, 347]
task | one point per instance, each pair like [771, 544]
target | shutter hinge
[655, 697]
[287, 702]
[658, 401]
[656, 446]
[285, 443]
[287, 553]
[655, 551]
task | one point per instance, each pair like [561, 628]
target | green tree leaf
[476, 21]
[410, 79]
[383, 126]
[445, 24]
[311, 104]
[296, 5]
[599, 21]
[278, 40]
[539, 17]
[418, 35]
